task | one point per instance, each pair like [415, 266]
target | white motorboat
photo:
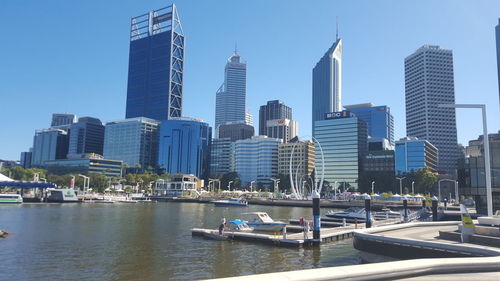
[232, 202]
[261, 221]
[10, 198]
[350, 214]
[387, 213]
[237, 226]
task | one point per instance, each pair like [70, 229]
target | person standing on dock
[222, 224]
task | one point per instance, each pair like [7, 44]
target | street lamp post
[400, 185]
[373, 184]
[276, 181]
[486, 142]
[210, 181]
[457, 199]
[412, 187]
[229, 185]
[251, 186]
[335, 189]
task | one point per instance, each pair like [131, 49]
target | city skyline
[199, 93]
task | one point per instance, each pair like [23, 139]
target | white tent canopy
[5, 178]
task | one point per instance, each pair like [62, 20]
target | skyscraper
[413, 154]
[134, 141]
[156, 64]
[327, 83]
[50, 144]
[62, 119]
[497, 35]
[85, 136]
[273, 110]
[378, 118]
[184, 147]
[230, 103]
[429, 82]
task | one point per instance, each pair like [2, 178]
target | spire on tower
[235, 47]
[337, 36]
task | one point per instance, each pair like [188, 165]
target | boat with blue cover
[261, 221]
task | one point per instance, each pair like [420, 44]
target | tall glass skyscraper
[429, 82]
[134, 141]
[50, 144]
[327, 83]
[230, 103]
[184, 147]
[156, 64]
[378, 118]
[273, 110]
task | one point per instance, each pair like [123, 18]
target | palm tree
[137, 167]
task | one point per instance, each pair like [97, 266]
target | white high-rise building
[230, 104]
[327, 83]
[428, 83]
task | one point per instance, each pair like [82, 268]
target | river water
[144, 242]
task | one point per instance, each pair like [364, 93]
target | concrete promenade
[448, 269]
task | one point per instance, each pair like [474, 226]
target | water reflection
[144, 242]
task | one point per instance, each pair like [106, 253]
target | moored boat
[261, 221]
[10, 198]
[62, 195]
[232, 202]
[237, 226]
[350, 214]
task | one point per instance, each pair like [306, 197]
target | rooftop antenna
[337, 28]
[235, 48]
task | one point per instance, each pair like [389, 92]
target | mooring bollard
[434, 208]
[343, 222]
[317, 218]
[368, 209]
[405, 208]
[284, 232]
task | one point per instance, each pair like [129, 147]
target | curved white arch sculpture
[316, 188]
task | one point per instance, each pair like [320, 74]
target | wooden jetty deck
[331, 234]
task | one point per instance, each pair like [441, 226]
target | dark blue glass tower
[379, 119]
[184, 147]
[156, 63]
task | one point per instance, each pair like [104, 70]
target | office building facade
[302, 161]
[134, 141]
[184, 147]
[327, 83]
[220, 156]
[379, 161]
[50, 144]
[475, 184]
[62, 119]
[256, 159]
[236, 131]
[91, 163]
[428, 83]
[156, 65]
[284, 129]
[230, 103]
[273, 110]
[413, 154]
[378, 118]
[85, 136]
[497, 37]
[25, 160]
[343, 138]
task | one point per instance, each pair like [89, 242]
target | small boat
[387, 213]
[233, 202]
[237, 226]
[261, 221]
[10, 198]
[350, 214]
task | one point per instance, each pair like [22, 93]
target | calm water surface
[144, 242]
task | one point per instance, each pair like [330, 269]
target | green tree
[384, 182]
[231, 176]
[98, 182]
[137, 168]
[425, 180]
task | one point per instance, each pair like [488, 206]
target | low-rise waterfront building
[134, 141]
[90, 163]
[256, 159]
[178, 185]
[343, 139]
[184, 147]
[413, 154]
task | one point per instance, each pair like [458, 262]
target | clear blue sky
[72, 56]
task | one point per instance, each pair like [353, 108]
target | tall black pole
[317, 218]
[368, 209]
[434, 208]
[405, 208]
[423, 204]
